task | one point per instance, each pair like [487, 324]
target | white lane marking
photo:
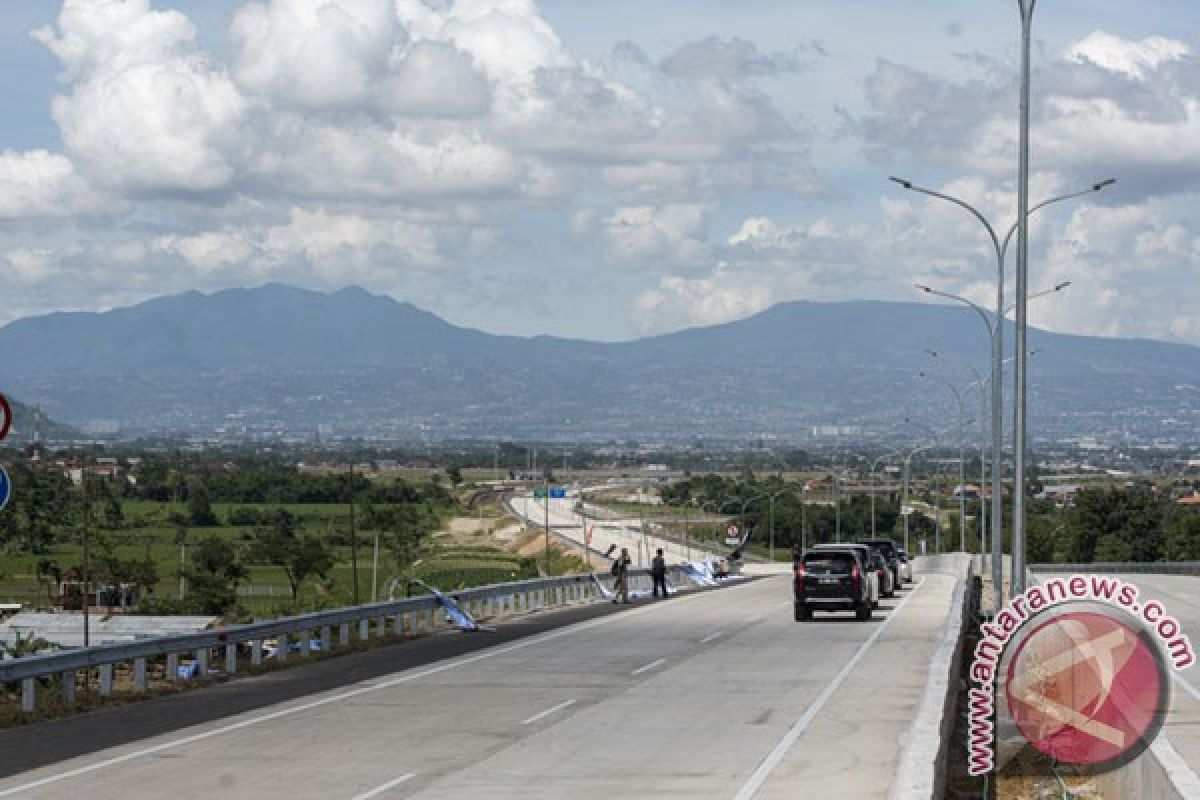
[710, 637]
[755, 781]
[549, 711]
[378, 790]
[1192, 690]
[658, 662]
[337, 698]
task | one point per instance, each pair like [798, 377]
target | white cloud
[680, 302]
[148, 110]
[42, 184]
[1137, 59]
[671, 234]
[313, 53]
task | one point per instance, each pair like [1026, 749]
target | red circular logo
[5, 416]
[1085, 688]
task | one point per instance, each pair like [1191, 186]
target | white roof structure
[65, 629]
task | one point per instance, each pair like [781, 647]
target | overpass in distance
[710, 694]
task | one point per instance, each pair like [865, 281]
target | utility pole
[375, 571]
[353, 537]
[546, 501]
[687, 539]
[86, 571]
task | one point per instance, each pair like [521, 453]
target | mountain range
[283, 359]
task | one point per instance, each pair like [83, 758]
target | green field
[148, 532]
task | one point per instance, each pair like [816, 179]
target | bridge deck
[690, 697]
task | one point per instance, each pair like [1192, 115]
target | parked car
[872, 575]
[887, 581]
[905, 565]
[832, 579]
[890, 552]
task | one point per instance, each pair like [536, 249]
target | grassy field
[453, 561]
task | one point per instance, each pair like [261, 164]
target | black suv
[890, 554]
[831, 579]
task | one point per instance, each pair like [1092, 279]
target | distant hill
[21, 433]
[279, 358]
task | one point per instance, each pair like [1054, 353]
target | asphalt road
[567, 524]
[711, 694]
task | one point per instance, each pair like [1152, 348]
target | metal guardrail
[411, 615]
[1136, 567]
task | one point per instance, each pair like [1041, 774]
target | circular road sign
[1087, 688]
[5, 488]
[5, 416]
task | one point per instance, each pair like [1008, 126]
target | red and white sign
[5, 416]
[1085, 688]
[587, 535]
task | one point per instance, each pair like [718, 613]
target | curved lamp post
[996, 333]
[962, 496]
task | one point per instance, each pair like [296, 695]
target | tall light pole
[979, 383]
[904, 500]
[997, 334]
[1020, 435]
[962, 478]
[874, 466]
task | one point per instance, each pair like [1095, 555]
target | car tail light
[801, 572]
[856, 577]
[879, 572]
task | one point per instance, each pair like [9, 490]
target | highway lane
[715, 694]
[568, 524]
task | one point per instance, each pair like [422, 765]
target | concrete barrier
[921, 772]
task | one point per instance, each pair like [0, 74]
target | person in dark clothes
[658, 571]
[620, 571]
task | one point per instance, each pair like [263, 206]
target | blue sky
[597, 170]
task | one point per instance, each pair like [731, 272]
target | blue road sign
[557, 492]
[5, 488]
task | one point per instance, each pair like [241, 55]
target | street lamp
[874, 466]
[962, 495]
[997, 337]
[837, 495]
[904, 510]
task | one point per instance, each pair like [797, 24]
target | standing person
[620, 571]
[658, 571]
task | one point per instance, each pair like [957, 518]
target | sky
[599, 170]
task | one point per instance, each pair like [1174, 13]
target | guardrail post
[410, 622]
[202, 663]
[230, 658]
[399, 623]
[381, 626]
[326, 639]
[305, 638]
[281, 648]
[68, 687]
[256, 652]
[139, 674]
[344, 634]
[29, 695]
[106, 680]
[487, 608]
[172, 666]
[364, 629]
[428, 619]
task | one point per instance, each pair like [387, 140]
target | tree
[280, 545]
[213, 576]
[113, 571]
[114, 515]
[49, 575]
[200, 512]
